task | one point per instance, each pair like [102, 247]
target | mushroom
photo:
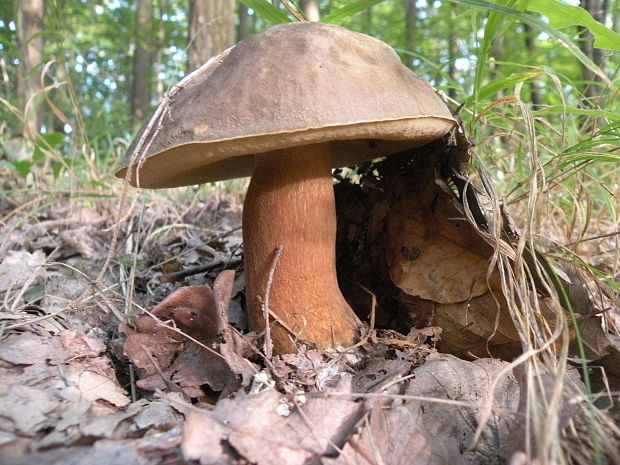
[285, 106]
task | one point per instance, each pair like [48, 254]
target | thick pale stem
[290, 202]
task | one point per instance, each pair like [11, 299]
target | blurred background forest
[536, 83]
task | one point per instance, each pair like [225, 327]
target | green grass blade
[344, 13]
[491, 31]
[541, 25]
[598, 157]
[563, 15]
[501, 84]
[267, 11]
[555, 109]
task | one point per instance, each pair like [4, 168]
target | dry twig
[267, 345]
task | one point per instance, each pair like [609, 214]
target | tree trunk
[453, 52]
[244, 22]
[530, 47]
[497, 49]
[157, 55]
[211, 29]
[368, 19]
[142, 62]
[29, 72]
[592, 89]
[310, 9]
[411, 16]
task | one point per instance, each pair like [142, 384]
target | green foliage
[43, 147]
[345, 12]
[508, 82]
[562, 15]
[267, 11]
[476, 51]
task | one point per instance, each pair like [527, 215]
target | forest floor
[92, 372]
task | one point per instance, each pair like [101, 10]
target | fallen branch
[212, 265]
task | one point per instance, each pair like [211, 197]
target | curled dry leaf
[421, 258]
[427, 265]
[164, 354]
[480, 327]
[433, 252]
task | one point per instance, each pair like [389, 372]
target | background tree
[592, 83]
[529, 38]
[211, 29]
[243, 26]
[410, 25]
[142, 62]
[29, 71]
[310, 9]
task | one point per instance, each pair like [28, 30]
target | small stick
[265, 302]
[277, 321]
[373, 309]
[178, 275]
[171, 385]
[293, 9]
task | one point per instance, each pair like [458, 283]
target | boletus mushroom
[285, 106]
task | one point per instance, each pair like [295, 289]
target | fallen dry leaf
[478, 327]
[27, 408]
[167, 359]
[81, 240]
[252, 427]
[388, 437]
[433, 252]
[156, 448]
[53, 383]
[17, 266]
[95, 386]
[436, 433]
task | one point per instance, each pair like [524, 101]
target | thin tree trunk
[211, 29]
[158, 65]
[453, 51]
[530, 47]
[497, 47]
[29, 72]
[310, 9]
[142, 62]
[411, 16]
[244, 22]
[369, 16]
[592, 89]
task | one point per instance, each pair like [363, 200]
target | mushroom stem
[290, 202]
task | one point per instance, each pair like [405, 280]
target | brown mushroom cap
[290, 85]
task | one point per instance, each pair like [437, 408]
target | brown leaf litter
[61, 400]
[403, 233]
[186, 342]
[209, 395]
